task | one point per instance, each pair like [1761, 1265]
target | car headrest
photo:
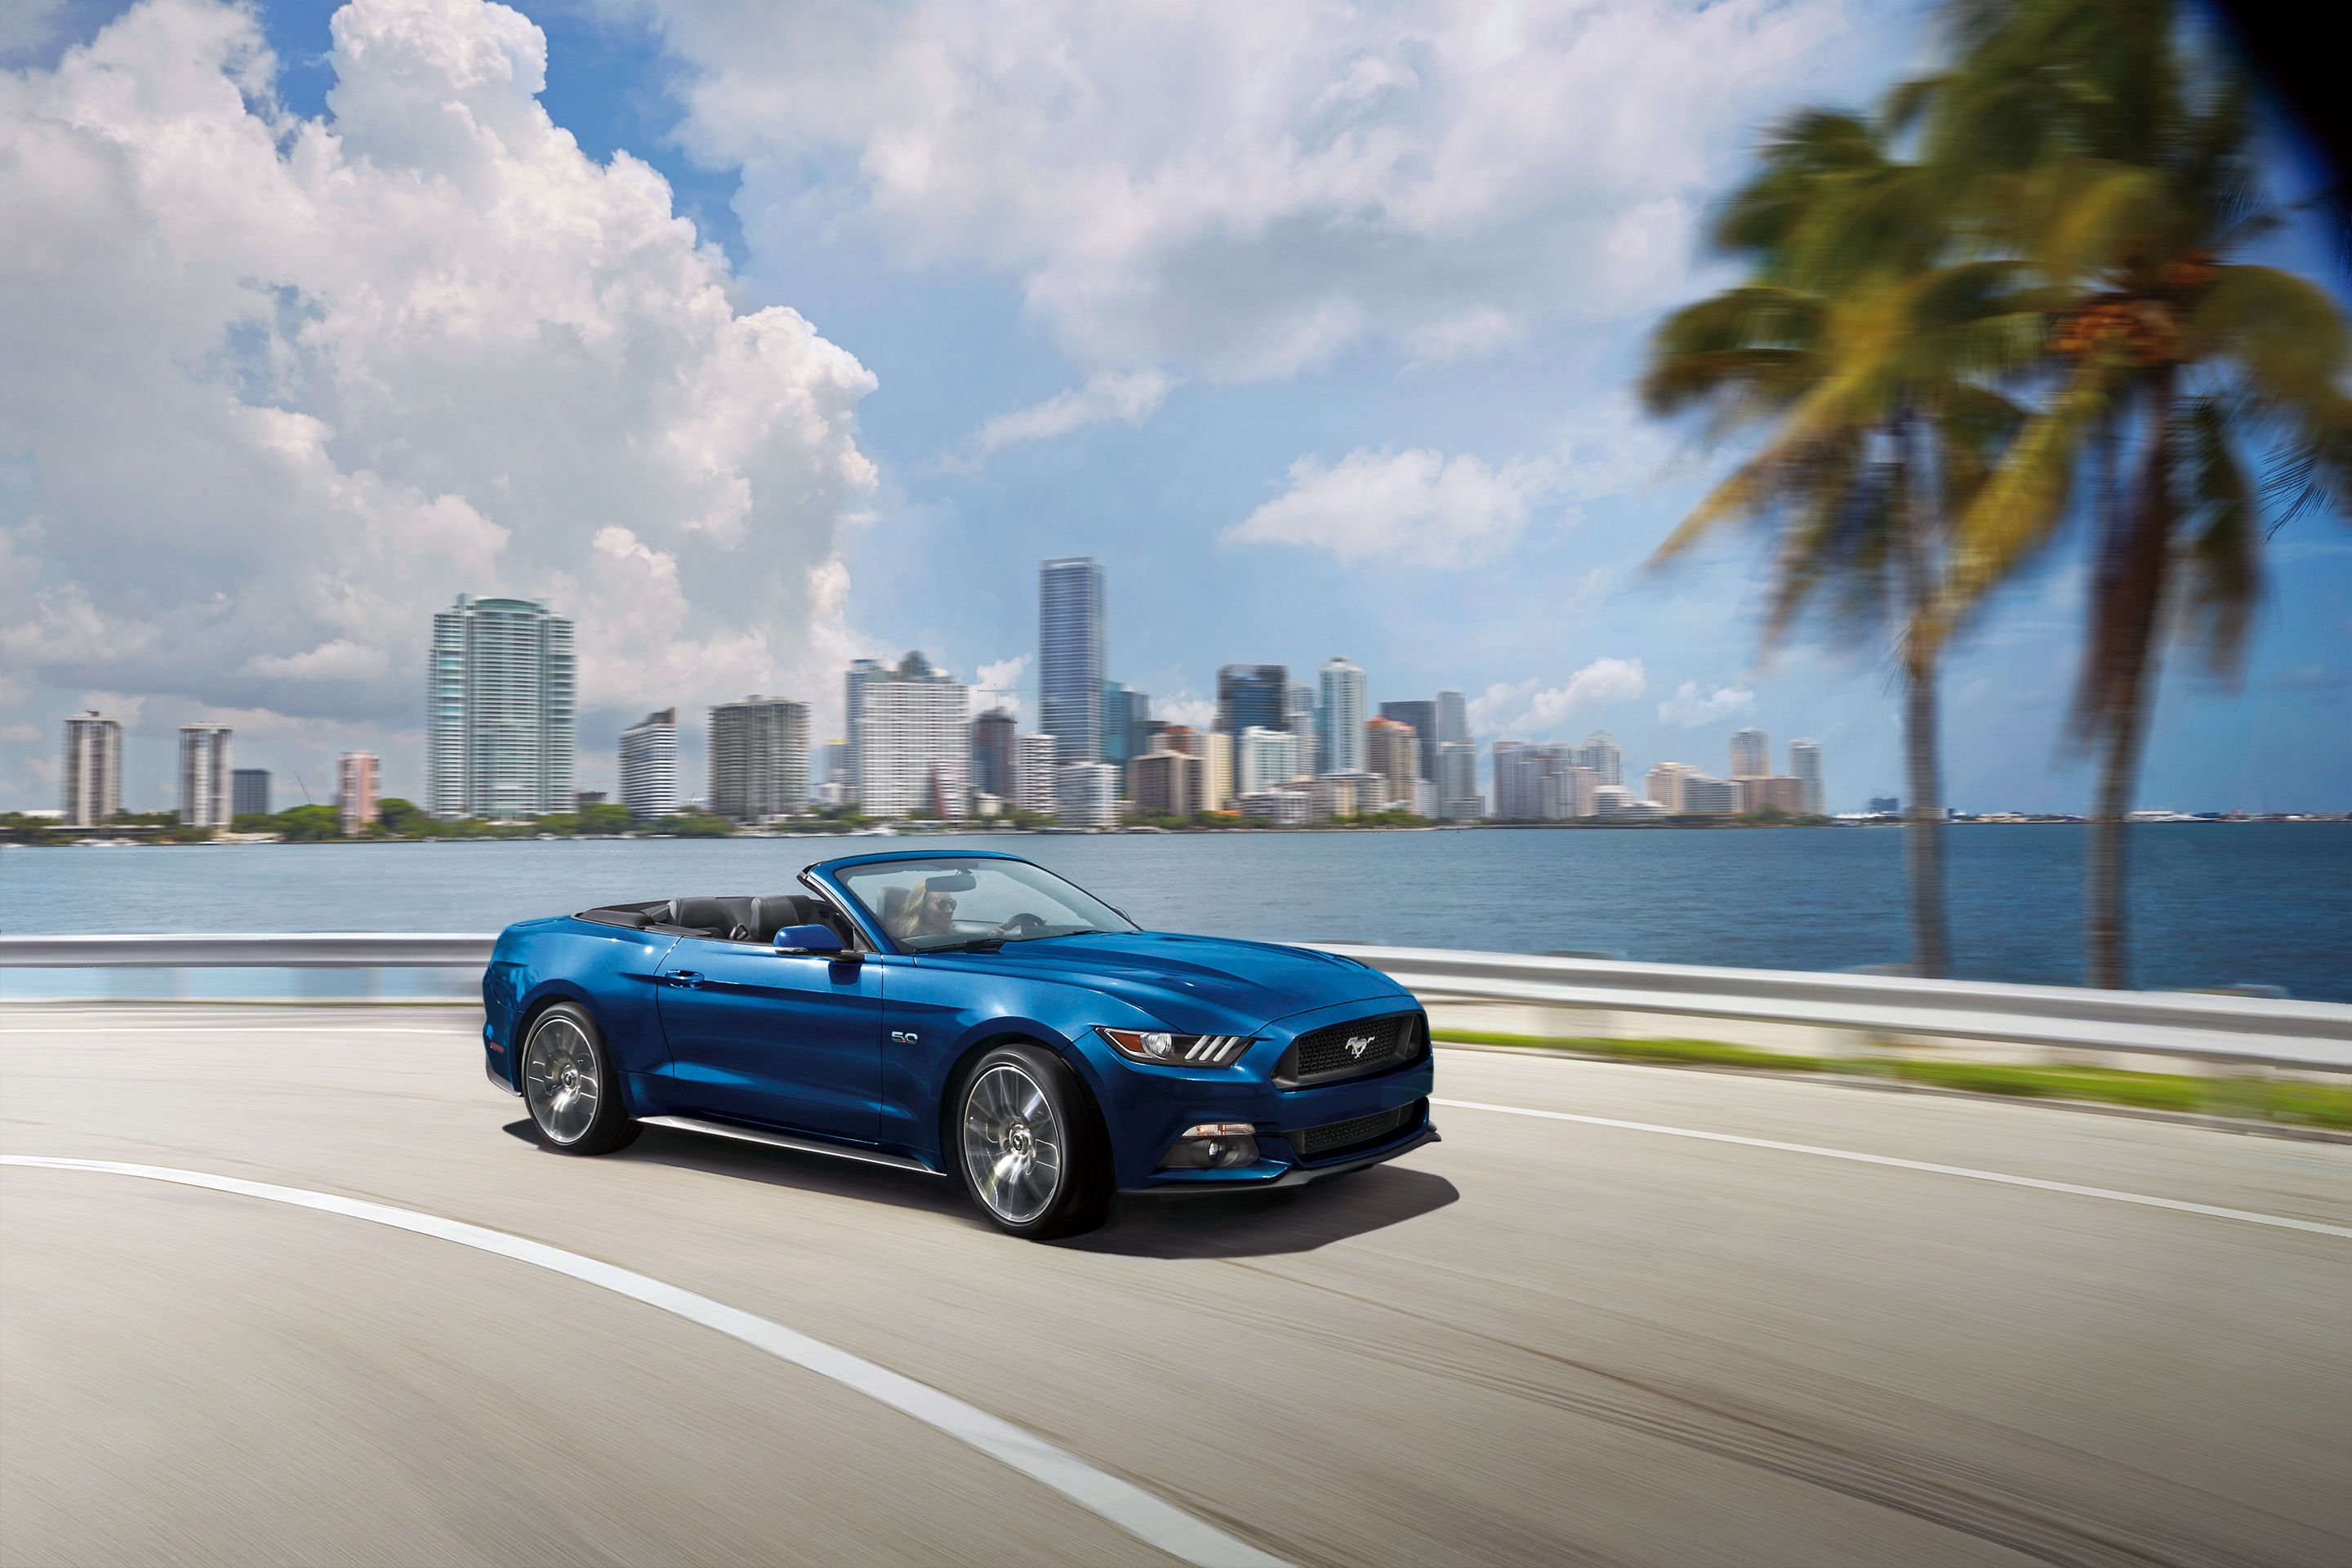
[712, 917]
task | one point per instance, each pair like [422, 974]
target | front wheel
[1029, 1146]
[570, 1084]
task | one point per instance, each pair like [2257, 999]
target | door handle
[683, 979]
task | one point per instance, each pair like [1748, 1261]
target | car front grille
[1333, 1136]
[1351, 1049]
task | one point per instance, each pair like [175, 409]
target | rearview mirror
[808, 939]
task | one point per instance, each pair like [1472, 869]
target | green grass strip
[2310, 1104]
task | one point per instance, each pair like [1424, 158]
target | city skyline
[1293, 451]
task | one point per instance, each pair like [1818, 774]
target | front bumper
[1149, 1108]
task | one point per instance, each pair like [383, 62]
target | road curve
[1820, 1333]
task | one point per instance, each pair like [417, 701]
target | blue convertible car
[967, 1014]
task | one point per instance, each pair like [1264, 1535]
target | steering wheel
[1020, 924]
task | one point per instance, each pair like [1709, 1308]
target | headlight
[1213, 1146]
[1175, 1050]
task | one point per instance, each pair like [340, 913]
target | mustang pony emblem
[1357, 1045]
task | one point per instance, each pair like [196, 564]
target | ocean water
[2211, 905]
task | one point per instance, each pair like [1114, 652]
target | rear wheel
[1029, 1146]
[570, 1084]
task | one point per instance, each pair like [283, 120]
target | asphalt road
[1541, 1341]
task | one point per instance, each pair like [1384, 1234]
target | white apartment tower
[1033, 762]
[649, 766]
[207, 797]
[1752, 753]
[358, 776]
[499, 699]
[1264, 758]
[1601, 754]
[92, 769]
[1344, 712]
[911, 734]
[1805, 761]
[758, 758]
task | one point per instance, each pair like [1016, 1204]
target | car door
[759, 1036]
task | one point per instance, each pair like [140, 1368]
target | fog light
[1213, 1146]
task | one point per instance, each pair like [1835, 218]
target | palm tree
[2086, 144]
[1861, 352]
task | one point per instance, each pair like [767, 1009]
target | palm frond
[2220, 557]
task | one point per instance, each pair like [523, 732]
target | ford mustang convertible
[967, 1014]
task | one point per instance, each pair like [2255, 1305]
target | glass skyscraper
[1423, 717]
[498, 710]
[1252, 695]
[1071, 633]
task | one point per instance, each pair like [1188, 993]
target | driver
[931, 913]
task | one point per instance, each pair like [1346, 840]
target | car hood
[1201, 983]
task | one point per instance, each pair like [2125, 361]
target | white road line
[1974, 1175]
[1128, 1506]
[232, 1029]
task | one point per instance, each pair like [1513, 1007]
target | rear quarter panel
[609, 970]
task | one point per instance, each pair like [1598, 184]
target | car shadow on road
[785, 1168]
[1262, 1224]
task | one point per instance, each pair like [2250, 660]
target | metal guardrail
[2250, 1029]
[2253, 1030]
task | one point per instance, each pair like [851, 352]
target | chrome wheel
[1012, 1144]
[558, 1073]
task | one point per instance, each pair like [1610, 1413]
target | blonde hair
[910, 917]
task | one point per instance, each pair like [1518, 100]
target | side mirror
[808, 939]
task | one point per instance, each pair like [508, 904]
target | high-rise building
[1783, 793]
[1086, 795]
[1567, 792]
[1072, 635]
[250, 788]
[1170, 783]
[1253, 694]
[1218, 753]
[1342, 711]
[912, 734]
[1126, 724]
[204, 776]
[1519, 772]
[498, 710]
[1705, 795]
[1423, 717]
[1392, 750]
[1264, 758]
[649, 766]
[1037, 757]
[357, 774]
[1805, 763]
[1752, 753]
[758, 758]
[1299, 717]
[838, 768]
[1664, 784]
[1601, 754]
[1457, 781]
[91, 769]
[1453, 718]
[992, 755]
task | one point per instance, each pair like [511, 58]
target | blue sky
[1317, 328]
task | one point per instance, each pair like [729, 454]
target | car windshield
[928, 905]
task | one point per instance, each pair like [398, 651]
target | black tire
[571, 1086]
[1017, 1103]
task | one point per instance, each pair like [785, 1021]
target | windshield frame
[842, 878]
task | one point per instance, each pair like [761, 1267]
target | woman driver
[931, 913]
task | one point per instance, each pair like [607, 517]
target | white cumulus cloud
[1109, 396]
[1527, 708]
[1248, 190]
[1416, 508]
[1688, 710]
[285, 386]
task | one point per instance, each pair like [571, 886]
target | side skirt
[787, 1140]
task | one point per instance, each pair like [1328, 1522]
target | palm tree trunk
[1923, 827]
[2124, 619]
